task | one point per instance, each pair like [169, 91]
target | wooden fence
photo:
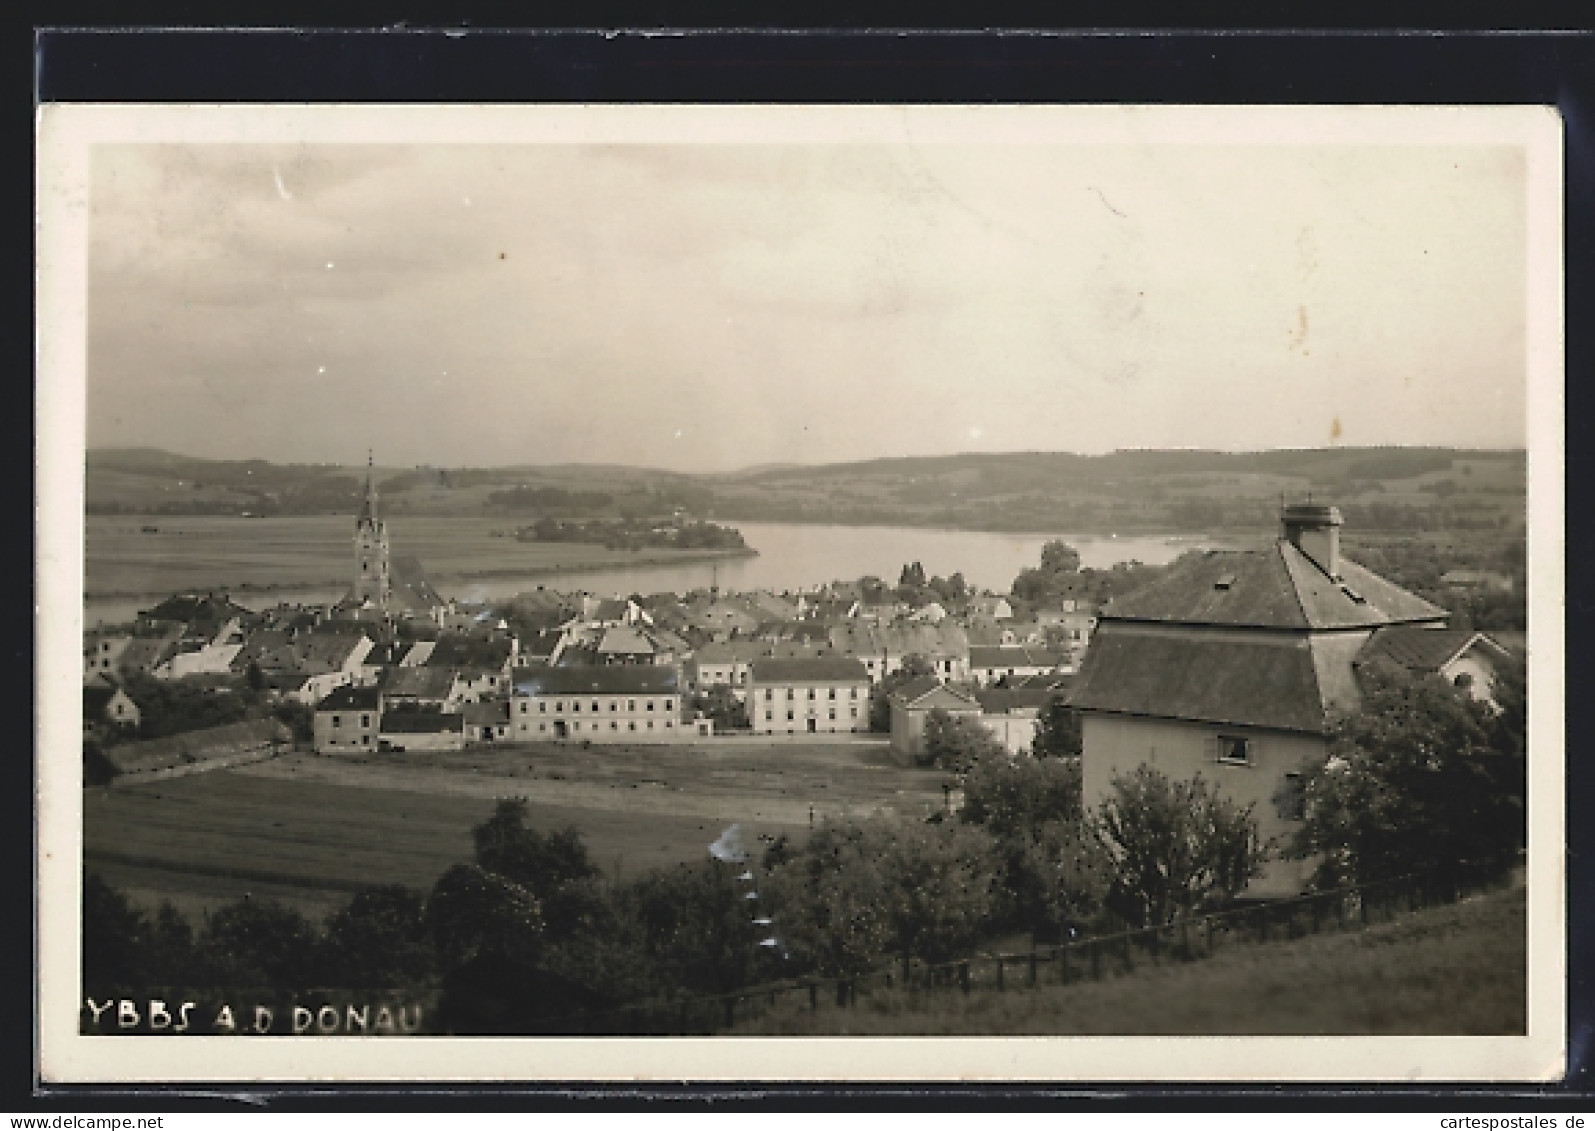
[1101, 956]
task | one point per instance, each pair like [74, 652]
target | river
[791, 556]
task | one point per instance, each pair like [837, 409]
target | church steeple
[368, 509]
[372, 570]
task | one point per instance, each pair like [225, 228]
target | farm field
[188, 552]
[1458, 969]
[308, 829]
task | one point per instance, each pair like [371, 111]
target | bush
[1174, 845]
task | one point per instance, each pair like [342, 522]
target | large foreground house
[1232, 666]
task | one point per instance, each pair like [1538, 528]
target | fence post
[1032, 969]
[1207, 934]
[814, 995]
[963, 976]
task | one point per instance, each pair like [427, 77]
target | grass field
[308, 829]
[1459, 969]
[190, 552]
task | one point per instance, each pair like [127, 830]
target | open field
[1459, 969]
[308, 829]
[189, 552]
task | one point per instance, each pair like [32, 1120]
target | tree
[827, 900]
[553, 868]
[697, 926]
[912, 577]
[379, 939]
[957, 742]
[1057, 730]
[1012, 796]
[1059, 557]
[261, 943]
[1174, 845]
[859, 891]
[97, 768]
[473, 913]
[722, 707]
[1052, 873]
[1420, 779]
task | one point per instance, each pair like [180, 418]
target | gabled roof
[489, 712]
[599, 680]
[1279, 587]
[411, 591]
[621, 641]
[914, 688]
[1424, 649]
[1251, 680]
[1013, 656]
[1001, 700]
[817, 670]
[349, 698]
[943, 696]
[420, 683]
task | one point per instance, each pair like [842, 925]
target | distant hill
[1386, 488]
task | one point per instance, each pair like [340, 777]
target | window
[650, 704]
[614, 725]
[791, 693]
[768, 715]
[365, 740]
[614, 706]
[365, 720]
[596, 708]
[650, 724]
[542, 707]
[833, 713]
[854, 712]
[631, 704]
[789, 715]
[768, 694]
[669, 724]
[1236, 751]
[337, 720]
[576, 705]
[670, 704]
[811, 695]
[1292, 799]
[853, 694]
[832, 694]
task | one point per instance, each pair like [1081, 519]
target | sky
[706, 307]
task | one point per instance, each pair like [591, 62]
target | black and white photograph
[695, 592]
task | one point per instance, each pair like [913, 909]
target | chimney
[1314, 529]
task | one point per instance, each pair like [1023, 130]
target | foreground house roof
[1255, 680]
[1280, 587]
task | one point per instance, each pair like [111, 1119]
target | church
[385, 588]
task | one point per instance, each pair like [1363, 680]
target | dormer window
[1224, 581]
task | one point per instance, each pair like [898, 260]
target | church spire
[368, 510]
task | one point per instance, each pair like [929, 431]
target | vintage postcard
[797, 593]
